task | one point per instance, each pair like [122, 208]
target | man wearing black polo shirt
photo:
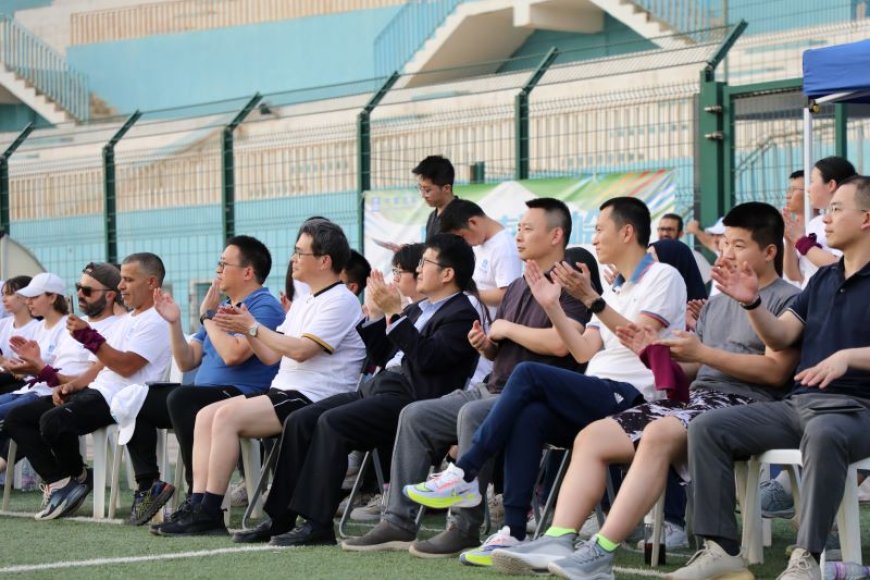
[827, 414]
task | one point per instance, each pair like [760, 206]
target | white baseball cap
[718, 228]
[42, 284]
[126, 405]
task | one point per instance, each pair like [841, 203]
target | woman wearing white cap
[19, 322]
[44, 297]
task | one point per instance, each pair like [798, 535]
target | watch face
[253, 330]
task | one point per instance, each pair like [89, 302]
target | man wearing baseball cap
[135, 352]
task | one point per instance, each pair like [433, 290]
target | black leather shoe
[305, 535]
[262, 533]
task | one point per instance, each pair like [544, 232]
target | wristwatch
[253, 330]
[209, 314]
[597, 305]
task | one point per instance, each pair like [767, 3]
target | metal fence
[293, 155]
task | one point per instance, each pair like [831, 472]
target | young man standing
[435, 176]
[540, 403]
[521, 332]
[730, 366]
[827, 414]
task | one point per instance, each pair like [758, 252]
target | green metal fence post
[841, 126]
[4, 177]
[364, 148]
[228, 173]
[110, 210]
[521, 114]
[715, 138]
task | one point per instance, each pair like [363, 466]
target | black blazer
[437, 360]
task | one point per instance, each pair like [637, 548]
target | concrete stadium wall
[204, 66]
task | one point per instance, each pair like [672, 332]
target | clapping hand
[384, 297]
[738, 282]
[237, 320]
[635, 337]
[166, 306]
[546, 293]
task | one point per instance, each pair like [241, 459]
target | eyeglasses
[298, 252]
[836, 209]
[397, 273]
[88, 290]
[221, 265]
[424, 260]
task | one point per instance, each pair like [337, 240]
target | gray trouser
[828, 441]
[426, 431]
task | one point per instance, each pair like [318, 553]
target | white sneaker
[675, 537]
[482, 556]
[239, 494]
[801, 566]
[445, 489]
[712, 562]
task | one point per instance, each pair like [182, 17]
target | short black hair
[253, 253]
[835, 168]
[454, 252]
[357, 270]
[677, 217]
[327, 239]
[437, 169]
[862, 190]
[558, 215]
[456, 214]
[151, 264]
[763, 222]
[408, 257]
[630, 211]
[16, 283]
[799, 174]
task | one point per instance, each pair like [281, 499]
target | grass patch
[30, 542]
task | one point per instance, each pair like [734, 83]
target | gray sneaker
[532, 557]
[775, 501]
[589, 562]
[384, 537]
[370, 512]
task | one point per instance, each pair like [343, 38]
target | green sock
[606, 544]
[558, 532]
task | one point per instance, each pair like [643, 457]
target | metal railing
[185, 15]
[31, 59]
[403, 36]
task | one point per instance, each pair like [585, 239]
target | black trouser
[49, 436]
[314, 447]
[175, 407]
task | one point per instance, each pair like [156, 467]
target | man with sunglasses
[225, 364]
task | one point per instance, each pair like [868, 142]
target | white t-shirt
[496, 263]
[144, 334]
[329, 318]
[807, 268]
[48, 339]
[8, 330]
[659, 292]
[70, 357]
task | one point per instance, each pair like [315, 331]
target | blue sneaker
[589, 562]
[64, 500]
[482, 556]
[775, 501]
[444, 490]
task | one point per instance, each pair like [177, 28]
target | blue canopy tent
[834, 74]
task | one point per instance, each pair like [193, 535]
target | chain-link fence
[306, 153]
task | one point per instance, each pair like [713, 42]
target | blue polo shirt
[836, 316]
[252, 376]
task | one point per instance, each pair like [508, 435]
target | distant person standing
[435, 176]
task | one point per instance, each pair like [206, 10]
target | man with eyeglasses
[671, 228]
[826, 415]
[225, 364]
[435, 175]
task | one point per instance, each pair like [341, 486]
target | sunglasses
[88, 290]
